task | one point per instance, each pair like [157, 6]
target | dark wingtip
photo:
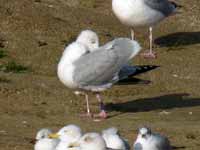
[145, 68]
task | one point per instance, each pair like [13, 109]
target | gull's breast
[135, 13]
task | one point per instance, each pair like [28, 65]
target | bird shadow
[180, 100]
[178, 147]
[133, 81]
[178, 39]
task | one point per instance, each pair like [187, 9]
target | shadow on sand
[155, 103]
[178, 39]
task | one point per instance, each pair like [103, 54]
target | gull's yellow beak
[53, 136]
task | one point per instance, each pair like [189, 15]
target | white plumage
[43, 142]
[142, 13]
[113, 139]
[68, 135]
[92, 141]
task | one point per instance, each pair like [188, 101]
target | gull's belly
[65, 74]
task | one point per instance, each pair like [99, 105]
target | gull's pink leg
[87, 103]
[150, 53]
[132, 34]
[102, 114]
[88, 114]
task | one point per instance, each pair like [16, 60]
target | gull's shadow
[178, 39]
[133, 81]
[178, 147]
[162, 102]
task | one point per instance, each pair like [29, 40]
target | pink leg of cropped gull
[150, 53]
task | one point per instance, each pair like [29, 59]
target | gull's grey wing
[163, 6]
[101, 66]
[162, 142]
[138, 146]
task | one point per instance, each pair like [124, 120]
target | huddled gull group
[70, 137]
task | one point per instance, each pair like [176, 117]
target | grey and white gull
[147, 140]
[143, 13]
[86, 67]
[95, 71]
[67, 135]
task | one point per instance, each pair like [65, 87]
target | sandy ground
[33, 34]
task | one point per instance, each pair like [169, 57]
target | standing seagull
[143, 13]
[95, 71]
[146, 140]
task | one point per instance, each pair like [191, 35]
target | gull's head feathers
[43, 133]
[144, 132]
[69, 134]
[89, 38]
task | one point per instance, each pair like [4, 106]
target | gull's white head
[43, 133]
[69, 133]
[89, 38]
[91, 141]
[74, 51]
[144, 133]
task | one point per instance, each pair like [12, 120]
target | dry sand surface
[33, 34]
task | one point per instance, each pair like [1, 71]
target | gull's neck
[72, 53]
